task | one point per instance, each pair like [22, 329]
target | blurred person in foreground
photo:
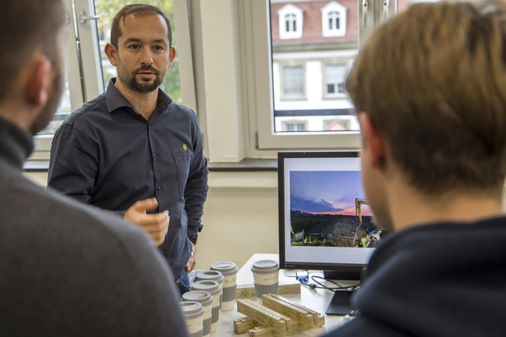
[66, 269]
[429, 89]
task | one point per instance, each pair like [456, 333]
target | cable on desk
[338, 287]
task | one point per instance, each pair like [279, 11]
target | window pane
[293, 79]
[106, 9]
[313, 91]
[335, 75]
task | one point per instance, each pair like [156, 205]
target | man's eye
[133, 46]
[159, 48]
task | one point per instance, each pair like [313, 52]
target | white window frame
[334, 7]
[298, 16]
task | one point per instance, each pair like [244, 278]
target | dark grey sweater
[69, 270]
[437, 280]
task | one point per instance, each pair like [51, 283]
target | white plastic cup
[266, 277]
[213, 288]
[206, 299]
[229, 271]
[194, 315]
[213, 275]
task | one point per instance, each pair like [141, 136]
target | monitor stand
[340, 303]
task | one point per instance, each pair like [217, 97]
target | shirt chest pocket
[182, 160]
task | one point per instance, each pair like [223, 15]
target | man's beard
[142, 87]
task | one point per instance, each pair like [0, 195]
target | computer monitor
[324, 220]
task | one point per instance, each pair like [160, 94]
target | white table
[315, 299]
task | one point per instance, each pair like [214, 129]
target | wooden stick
[318, 319]
[296, 313]
[266, 332]
[263, 315]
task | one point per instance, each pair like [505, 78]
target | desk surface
[315, 299]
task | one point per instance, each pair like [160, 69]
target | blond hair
[433, 80]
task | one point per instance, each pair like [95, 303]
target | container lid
[226, 268]
[211, 286]
[200, 296]
[265, 266]
[192, 309]
[214, 275]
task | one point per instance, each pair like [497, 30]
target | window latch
[83, 18]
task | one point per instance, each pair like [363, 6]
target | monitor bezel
[344, 269]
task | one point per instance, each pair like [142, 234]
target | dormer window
[290, 22]
[333, 20]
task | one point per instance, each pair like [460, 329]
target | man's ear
[373, 140]
[171, 55]
[111, 53]
[38, 80]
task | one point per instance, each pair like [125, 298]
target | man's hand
[193, 260]
[156, 225]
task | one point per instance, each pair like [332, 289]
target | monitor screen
[324, 220]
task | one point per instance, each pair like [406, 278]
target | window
[335, 75]
[333, 19]
[326, 48]
[290, 22]
[294, 126]
[308, 80]
[293, 82]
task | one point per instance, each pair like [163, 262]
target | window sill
[245, 165]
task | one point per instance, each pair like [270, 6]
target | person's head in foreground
[33, 40]
[429, 88]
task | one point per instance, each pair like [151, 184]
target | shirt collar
[115, 100]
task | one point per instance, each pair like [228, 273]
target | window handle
[365, 4]
[83, 18]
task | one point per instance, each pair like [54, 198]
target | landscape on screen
[329, 208]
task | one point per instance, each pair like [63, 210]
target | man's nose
[146, 56]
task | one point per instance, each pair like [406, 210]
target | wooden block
[242, 325]
[266, 332]
[296, 313]
[245, 291]
[321, 320]
[318, 319]
[264, 316]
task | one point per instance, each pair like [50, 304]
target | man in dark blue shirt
[132, 149]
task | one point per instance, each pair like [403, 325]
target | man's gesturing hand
[156, 225]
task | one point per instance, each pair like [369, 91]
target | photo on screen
[328, 208]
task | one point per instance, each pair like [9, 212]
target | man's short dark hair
[136, 9]
[26, 26]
